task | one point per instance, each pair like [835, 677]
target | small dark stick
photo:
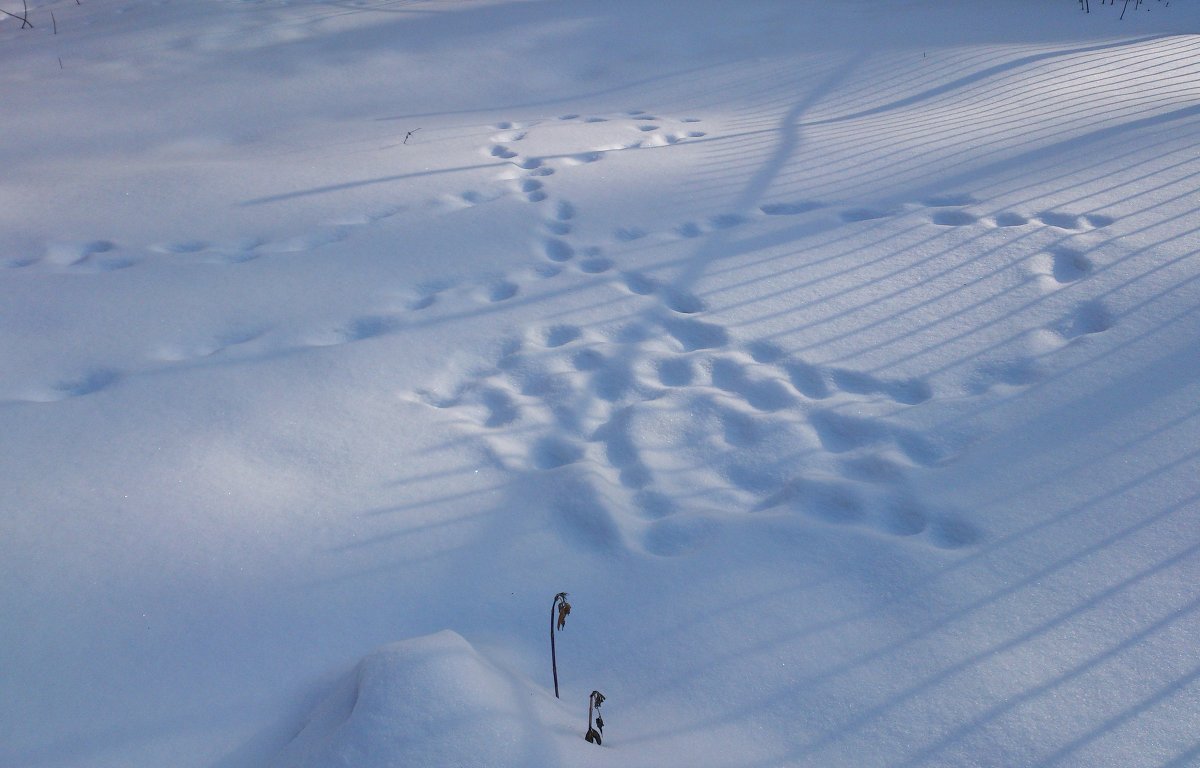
[54, 21]
[593, 736]
[408, 135]
[563, 608]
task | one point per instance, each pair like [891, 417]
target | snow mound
[433, 701]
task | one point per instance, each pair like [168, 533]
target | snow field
[839, 361]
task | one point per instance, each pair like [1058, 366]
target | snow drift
[433, 700]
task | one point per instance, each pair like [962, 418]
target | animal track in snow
[354, 329]
[557, 250]
[1060, 266]
[305, 242]
[1009, 219]
[663, 423]
[639, 122]
[205, 252]
[692, 334]
[560, 335]
[1022, 369]
[948, 212]
[564, 211]
[557, 227]
[790, 209]
[1072, 221]
[767, 394]
[502, 290]
[911, 392]
[681, 301]
[644, 431]
[726, 220]
[208, 347]
[68, 387]
[864, 214]
[1086, 319]
[216, 348]
[71, 254]
[594, 265]
[79, 257]
[551, 452]
[583, 158]
[629, 234]
[639, 284]
[85, 384]
[674, 299]
[953, 218]
[533, 190]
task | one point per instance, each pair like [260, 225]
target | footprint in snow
[560, 335]
[595, 265]
[790, 208]
[1088, 318]
[92, 256]
[502, 290]
[564, 211]
[557, 227]
[88, 382]
[953, 218]
[1060, 266]
[864, 214]
[206, 348]
[726, 221]
[353, 330]
[557, 250]
[639, 284]
[1009, 219]
[1075, 222]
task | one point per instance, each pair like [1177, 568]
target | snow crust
[840, 359]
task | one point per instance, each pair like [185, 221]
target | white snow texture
[839, 358]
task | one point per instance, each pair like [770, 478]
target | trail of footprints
[683, 424]
[671, 415]
[659, 428]
[99, 256]
[604, 390]
[556, 245]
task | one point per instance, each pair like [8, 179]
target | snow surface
[840, 359]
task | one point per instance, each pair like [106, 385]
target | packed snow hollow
[839, 360]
